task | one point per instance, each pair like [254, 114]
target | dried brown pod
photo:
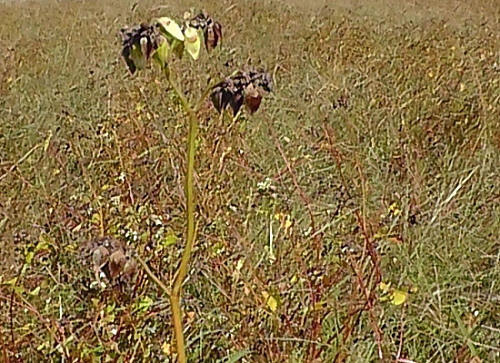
[252, 99]
[117, 261]
[100, 256]
[129, 269]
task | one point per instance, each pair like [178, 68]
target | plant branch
[180, 276]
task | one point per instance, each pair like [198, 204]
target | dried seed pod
[212, 30]
[129, 269]
[117, 261]
[100, 257]
[252, 99]
[213, 35]
[138, 44]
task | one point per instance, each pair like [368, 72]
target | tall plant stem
[181, 273]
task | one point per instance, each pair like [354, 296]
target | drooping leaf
[178, 48]
[170, 28]
[138, 57]
[161, 54]
[242, 88]
[139, 43]
[192, 42]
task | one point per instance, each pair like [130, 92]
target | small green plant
[160, 41]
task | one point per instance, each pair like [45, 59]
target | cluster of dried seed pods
[110, 257]
[244, 88]
[212, 29]
[144, 36]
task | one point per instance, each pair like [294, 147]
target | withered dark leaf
[236, 102]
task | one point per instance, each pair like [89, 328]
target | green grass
[373, 105]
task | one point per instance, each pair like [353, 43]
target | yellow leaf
[271, 302]
[384, 287]
[166, 348]
[398, 297]
[170, 27]
[192, 42]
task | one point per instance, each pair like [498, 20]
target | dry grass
[380, 145]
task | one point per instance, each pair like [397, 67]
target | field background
[375, 159]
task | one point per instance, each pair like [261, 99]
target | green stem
[180, 276]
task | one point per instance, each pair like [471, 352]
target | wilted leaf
[236, 102]
[192, 42]
[398, 297]
[170, 28]
[178, 48]
[242, 88]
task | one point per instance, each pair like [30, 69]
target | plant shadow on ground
[375, 161]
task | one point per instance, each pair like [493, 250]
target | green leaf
[178, 48]
[170, 28]
[143, 305]
[192, 42]
[170, 240]
[161, 54]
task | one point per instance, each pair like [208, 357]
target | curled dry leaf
[243, 88]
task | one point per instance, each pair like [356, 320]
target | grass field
[371, 175]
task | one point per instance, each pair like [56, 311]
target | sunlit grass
[382, 131]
